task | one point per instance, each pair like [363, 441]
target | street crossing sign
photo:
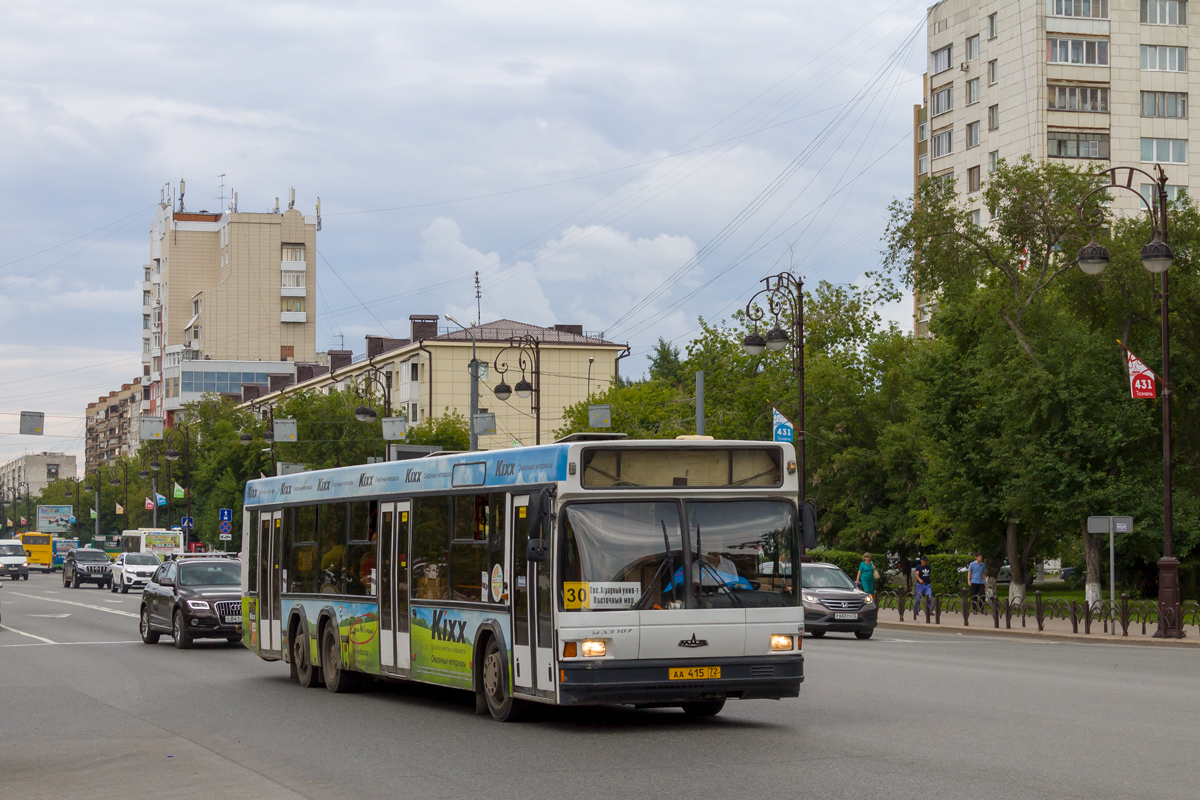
[225, 515]
[187, 523]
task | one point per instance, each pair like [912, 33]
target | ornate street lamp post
[784, 294]
[529, 360]
[1157, 257]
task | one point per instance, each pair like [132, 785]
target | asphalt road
[86, 708]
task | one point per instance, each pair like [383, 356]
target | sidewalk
[1059, 629]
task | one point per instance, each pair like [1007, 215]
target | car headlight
[811, 598]
[197, 604]
[594, 648]
[870, 599]
[781, 641]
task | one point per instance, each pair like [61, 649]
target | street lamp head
[1093, 257]
[502, 391]
[268, 436]
[754, 344]
[172, 454]
[364, 414]
[1157, 256]
[777, 338]
[245, 438]
[524, 388]
[115, 482]
[87, 488]
[143, 474]
[154, 465]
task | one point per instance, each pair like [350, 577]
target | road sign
[226, 537]
[225, 515]
[600, 416]
[187, 523]
[225, 528]
[782, 426]
[33, 423]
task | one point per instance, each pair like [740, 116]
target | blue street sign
[782, 426]
[186, 523]
[225, 515]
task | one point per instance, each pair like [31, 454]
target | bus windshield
[631, 555]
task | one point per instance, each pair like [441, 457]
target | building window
[196, 306]
[1079, 51]
[973, 134]
[287, 351]
[993, 160]
[52, 472]
[923, 164]
[146, 318]
[943, 99]
[922, 131]
[1164, 104]
[973, 91]
[993, 117]
[972, 47]
[993, 72]
[1164, 12]
[292, 303]
[293, 279]
[991, 26]
[1096, 9]
[939, 60]
[973, 181]
[976, 215]
[1159, 58]
[1150, 192]
[943, 143]
[1078, 144]
[1079, 98]
[1164, 151]
[293, 252]
[146, 297]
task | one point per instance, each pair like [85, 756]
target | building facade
[111, 427]
[1086, 81]
[428, 375]
[229, 287]
[32, 473]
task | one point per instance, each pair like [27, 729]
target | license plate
[845, 616]
[694, 673]
[234, 619]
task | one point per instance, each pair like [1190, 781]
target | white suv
[132, 571]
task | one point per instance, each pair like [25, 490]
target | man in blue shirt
[975, 581]
[923, 587]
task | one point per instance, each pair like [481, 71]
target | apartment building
[428, 373]
[1081, 80]
[33, 472]
[111, 425]
[234, 287]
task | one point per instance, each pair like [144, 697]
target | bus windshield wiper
[720, 581]
[669, 561]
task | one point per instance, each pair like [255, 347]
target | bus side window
[431, 538]
[252, 564]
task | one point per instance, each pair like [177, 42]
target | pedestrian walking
[866, 575]
[924, 587]
[975, 582]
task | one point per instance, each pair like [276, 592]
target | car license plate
[845, 615]
[694, 673]
[235, 619]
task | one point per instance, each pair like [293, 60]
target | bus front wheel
[501, 705]
[704, 708]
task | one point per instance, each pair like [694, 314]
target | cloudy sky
[627, 166]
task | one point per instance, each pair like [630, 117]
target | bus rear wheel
[501, 705]
[337, 679]
[307, 675]
[704, 708]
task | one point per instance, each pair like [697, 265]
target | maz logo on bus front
[693, 642]
[448, 630]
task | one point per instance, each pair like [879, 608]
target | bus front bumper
[648, 682]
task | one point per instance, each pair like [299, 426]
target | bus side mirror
[538, 547]
[808, 525]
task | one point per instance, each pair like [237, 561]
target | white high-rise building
[1097, 80]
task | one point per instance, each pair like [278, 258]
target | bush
[946, 577]
[848, 562]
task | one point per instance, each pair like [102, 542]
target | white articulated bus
[652, 573]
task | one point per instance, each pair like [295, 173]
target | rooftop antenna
[341, 341]
[292, 198]
[222, 179]
[182, 186]
[318, 213]
[478, 307]
[233, 205]
[276, 205]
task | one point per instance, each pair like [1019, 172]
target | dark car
[193, 598]
[86, 565]
[833, 603]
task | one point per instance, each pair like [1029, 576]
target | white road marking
[49, 616]
[65, 644]
[81, 605]
[41, 639]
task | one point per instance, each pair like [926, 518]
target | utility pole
[474, 369]
[700, 403]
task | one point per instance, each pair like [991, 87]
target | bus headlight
[594, 648]
[781, 641]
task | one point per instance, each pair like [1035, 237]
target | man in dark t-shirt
[923, 587]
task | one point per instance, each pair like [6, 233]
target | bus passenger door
[270, 635]
[518, 535]
[393, 586]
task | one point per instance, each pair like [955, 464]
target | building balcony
[293, 266]
[292, 291]
[293, 316]
[406, 392]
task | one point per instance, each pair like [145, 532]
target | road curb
[1034, 634]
